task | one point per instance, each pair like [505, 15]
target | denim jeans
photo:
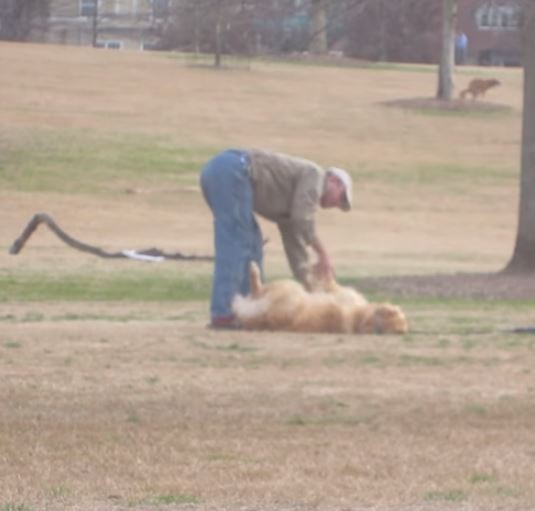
[228, 191]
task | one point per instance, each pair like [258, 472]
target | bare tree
[447, 57]
[398, 31]
[401, 30]
[16, 17]
[217, 32]
[523, 259]
[318, 42]
[94, 25]
[220, 27]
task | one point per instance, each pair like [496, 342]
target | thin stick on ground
[147, 254]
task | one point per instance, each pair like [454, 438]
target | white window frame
[110, 44]
[491, 16]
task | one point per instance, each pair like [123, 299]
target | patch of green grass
[469, 344]
[133, 418]
[169, 499]
[296, 420]
[370, 359]
[335, 360]
[206, 60]
[447, 496]
[517, 341]
[116, 318]
[222, 457]
[454, 304]
[343, 420]
[184, 316]
[74, 162]
[148, 286]
[428, 68]
[420, 360]
[506, 491]
[33, 317]
[482, 477]
[59, 491]
[236, 347]
[13, 344]
[454, 177]
[410, 68]
[177, 499]
[476, 409]
[11, 506]
[491, 112]
[443, 343]
[237, 62]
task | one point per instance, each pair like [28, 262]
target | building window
[88, 7]
[113, 45]
[498, 17]
[110, 45]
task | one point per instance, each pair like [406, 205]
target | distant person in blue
[461, 48]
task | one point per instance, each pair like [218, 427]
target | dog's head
[493, 82]
[382, 318]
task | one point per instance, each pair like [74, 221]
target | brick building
[491, 27]
[115, 24]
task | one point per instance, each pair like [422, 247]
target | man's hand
[322, 269]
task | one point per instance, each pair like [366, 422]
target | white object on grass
[132, 254]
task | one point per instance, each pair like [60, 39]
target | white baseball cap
[345, 179]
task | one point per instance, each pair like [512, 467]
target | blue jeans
[228, 191]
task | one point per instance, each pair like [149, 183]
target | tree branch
[151, 254]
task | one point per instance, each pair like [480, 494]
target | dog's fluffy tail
[255, 280]
[247, 308]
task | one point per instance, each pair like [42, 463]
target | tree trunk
[16, 17]
[382, 31]
[523, 259]
[218, 22]
[217, 56]
[95, 26]
[318, 42]
[447, 58]
[196, 29]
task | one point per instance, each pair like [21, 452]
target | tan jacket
[287, 191]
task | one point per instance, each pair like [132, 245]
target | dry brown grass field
[114, 396]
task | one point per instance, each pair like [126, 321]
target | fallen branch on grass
[151, 254]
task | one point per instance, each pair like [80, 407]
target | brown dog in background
[287, 305]
[478, 86]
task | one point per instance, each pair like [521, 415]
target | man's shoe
[224, 323]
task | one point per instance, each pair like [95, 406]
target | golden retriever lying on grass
[287, 305]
